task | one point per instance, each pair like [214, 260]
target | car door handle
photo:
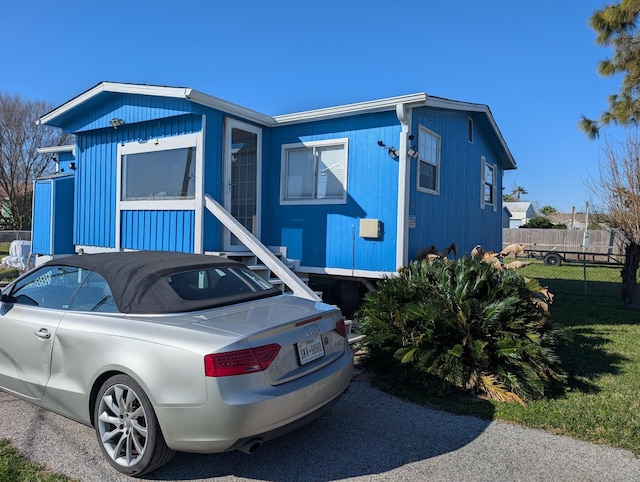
[43, 334]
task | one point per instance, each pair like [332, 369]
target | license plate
[310, 349]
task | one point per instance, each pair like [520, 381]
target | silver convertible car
[165, 352]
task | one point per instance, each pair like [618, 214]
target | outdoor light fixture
[116, 122]
[392, 151]
[413, 151]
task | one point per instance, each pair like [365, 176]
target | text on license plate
[310, 349]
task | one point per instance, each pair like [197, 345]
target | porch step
[253, 263]
[351, 336]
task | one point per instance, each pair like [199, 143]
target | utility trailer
[555, 257]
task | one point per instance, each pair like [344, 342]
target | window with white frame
[162, 171]
[160, 175]
[488, 183]
[428, 161]
[314, 172]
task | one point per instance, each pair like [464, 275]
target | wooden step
[351, 336]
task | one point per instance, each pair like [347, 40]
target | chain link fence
[8, 236]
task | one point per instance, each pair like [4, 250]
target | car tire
[127, 428]
[553, 259]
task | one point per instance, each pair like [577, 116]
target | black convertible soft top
[138, 279]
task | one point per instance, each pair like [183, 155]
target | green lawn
[601, 356]
[15, 468]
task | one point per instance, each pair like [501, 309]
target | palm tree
[546, 210]
[518, 191]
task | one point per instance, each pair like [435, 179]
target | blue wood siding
[96, 113]
[96, 154]
[158, 230]
[328, 235]
[52, 216]
[455, 214]
[42, 217]
[213, 175]
[64, 162]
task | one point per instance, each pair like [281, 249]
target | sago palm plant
[466, 325]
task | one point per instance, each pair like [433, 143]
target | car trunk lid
[310, 335]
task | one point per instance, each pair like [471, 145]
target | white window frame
[155, 145]
[343, 142]
[420, 160]
[494, 185]
[231, 124]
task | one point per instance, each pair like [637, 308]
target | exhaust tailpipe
[251, 446]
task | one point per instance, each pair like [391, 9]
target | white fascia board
[116, 88]
[381, 105]
[345, 272]
[228, 107]
[158, 91]
[57, 149]
[471, 107]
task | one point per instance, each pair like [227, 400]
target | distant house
[521, 213]
[506, 217]
[351, 192]
[570, 220]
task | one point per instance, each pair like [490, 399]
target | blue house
[350, 192]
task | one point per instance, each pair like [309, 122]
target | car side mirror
[6, 298]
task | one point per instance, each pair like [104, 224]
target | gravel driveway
[368, 436]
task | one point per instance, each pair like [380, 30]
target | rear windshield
[215, 283]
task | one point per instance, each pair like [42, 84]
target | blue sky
[534, 63]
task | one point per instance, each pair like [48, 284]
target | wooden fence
[598, 241]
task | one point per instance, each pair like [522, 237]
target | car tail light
[341, 328]
[240, 362]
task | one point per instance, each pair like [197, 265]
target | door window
[50, 287]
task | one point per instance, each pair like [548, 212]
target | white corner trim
[404, 181]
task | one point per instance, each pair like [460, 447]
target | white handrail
[263, 253]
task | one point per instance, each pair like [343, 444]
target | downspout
[402, 234]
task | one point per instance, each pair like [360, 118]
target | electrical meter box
[370, 228]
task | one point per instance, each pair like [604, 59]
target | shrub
[451, 325]
[541, 222]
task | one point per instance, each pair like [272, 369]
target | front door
[243, 156]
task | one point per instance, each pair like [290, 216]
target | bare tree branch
[616, 202]
[20, 161]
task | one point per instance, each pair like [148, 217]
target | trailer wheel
[553, 259]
